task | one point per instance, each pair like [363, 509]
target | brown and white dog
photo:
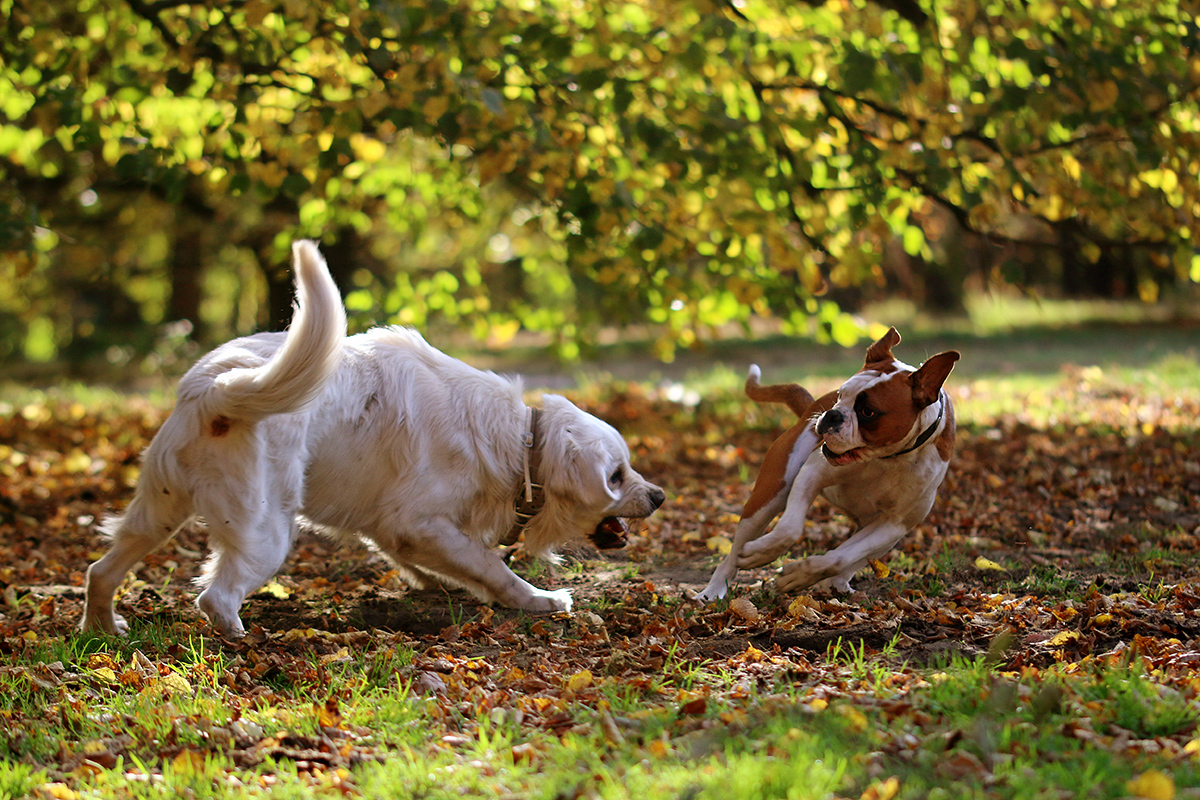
[377, 435]
[877, 448]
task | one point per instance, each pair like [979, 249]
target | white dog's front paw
[225, 620]
[547, 602]
[838, 583]
[103, 623]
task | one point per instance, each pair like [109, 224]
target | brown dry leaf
[744, 609]
[328, 714]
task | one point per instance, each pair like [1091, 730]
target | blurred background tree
[571, 167]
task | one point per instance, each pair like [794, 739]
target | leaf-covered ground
[1061, 553]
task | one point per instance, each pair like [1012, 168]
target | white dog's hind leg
[240, 566]
[249, 546]
[143, 528]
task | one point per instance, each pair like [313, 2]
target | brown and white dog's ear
[927, 381]
[882, 350]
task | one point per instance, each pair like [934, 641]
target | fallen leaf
[720, 543]
[982, 563]
[1062, 638]
[883, 790]
[744, 609]
[580, 680]
[1152, 785]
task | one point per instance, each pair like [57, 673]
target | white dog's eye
[617, 477]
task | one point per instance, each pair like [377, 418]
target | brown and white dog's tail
[792, 395]
[310, 354]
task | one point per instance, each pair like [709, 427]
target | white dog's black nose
[829, 421]
[657, 497]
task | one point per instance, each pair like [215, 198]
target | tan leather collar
[531, 497]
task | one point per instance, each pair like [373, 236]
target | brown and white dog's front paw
[718, 584]
[806, 572]
[761, 552]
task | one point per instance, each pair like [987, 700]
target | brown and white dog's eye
[866, 413]
[618, 477]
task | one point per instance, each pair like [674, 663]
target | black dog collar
[928, 432]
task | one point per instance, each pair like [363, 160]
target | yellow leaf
[99, 661]
[130, 475]
[57, 791]
[1152, 785]
[658, 748]
[1063, 637]
[882, 791]
[881, 569]
[580, 680]
[803, 607]
[174, 682]
[328, 714]
[77, 461]
[1192, 748]
[188, 762]
[276, 589]
[367, 148]
[857, 719]
[1102, 619]
[719, 543]
[819, 704]
[982, 563]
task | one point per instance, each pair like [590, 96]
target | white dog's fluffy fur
[378, 435]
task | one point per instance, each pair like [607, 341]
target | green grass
[851, 722]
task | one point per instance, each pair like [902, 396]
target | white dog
[378, 435]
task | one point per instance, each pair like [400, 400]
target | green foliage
[557, 166]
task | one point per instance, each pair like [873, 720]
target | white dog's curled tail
[310, 354]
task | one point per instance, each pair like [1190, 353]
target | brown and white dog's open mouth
[841, 459]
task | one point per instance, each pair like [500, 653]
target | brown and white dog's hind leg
[839, 565]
